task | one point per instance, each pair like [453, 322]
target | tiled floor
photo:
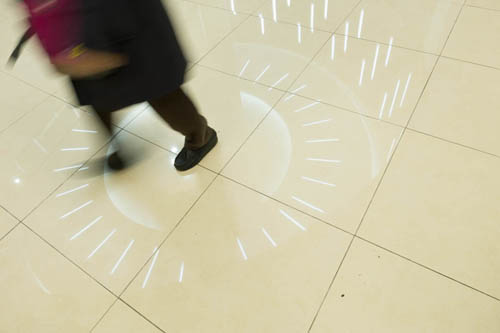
[356, 186]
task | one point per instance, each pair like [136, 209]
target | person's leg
[115, 162]
[179, 112]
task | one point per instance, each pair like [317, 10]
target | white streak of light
[299, 33]
[75, 149]
[362, 74]
[406, 89]
[346, 36]
[122, 256]
[305, 203]
[291, 219]
[275, 12]
[316, 122]
[242, 249]
[360, 26]
[322, 140]
[102, 243]
[269, 237]
[262, 27]
[83, 131]
[181, 273]
[86, 228]
[148, 274]
[76, 209]
[306, 107]
[381, 113]
[326, 10]
[262, 74]
[73, 190]
[232, 7]
[318, 181]
[375, 60]
[323, 160]
[332, 54]
[394, 98]
[244, 67]
[389, 52]
[68, 168]
[312, 17]
[279, 81]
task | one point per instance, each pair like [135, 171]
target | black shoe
[188, 158]
[115, 162]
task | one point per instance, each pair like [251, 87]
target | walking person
[119, 53]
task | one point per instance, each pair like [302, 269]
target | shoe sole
[204, 151]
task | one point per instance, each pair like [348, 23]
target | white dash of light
[381, 113]
[312, 17]
[375, 60]
[288, 2]
[102, 244]
[68, 168]
[291, 219]
[362, 74]
[181, 272]
[148, 274]
[244, 68]
[269, 237]
[360, 26]
[122, 256]
[71, 191]
[406, 89]
[316, 122]
[262, 27]
[84, 168]
[76, 209]
[275, 12]
[279, 81]
[299, 32]
[389, 52]
[84, 131]
[242, 249]
[324, 160]
[233, 9]
[306, 107]
[318, 181]
[346, 36]
[332, 52]
[305, 203]
[86, 228]
[325, 14]
[322, 140]
[396, 91]
[263, 72]
[75, 149]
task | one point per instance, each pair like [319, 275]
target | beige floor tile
[122, 319]
[41, 150]
[475, 37]
[491, 4]
[110, 223]
[268, 52]
[234, 107]
[325, 15]
[367, 77]
[235, 6]
[438, 205]
[324, 161]
[239, 263]
[200, 28]
[377, 291]
[42, 291]
[7, 222]
[17, 100]
[422, 25]
[461, 104]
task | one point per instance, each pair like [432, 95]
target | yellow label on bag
[77, 51]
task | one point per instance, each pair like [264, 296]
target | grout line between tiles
[103, 315]
[143, 316]
[8, 232]
[480, 7]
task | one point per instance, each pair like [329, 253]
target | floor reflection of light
[122, 257]
[291, 219]
[288, 2]
[84, 131]
[72, 190]
[389, 50]
[381, 113]
[87, 227]
[396, 91]
[244, 67]
[262, 73]
[75, 149]
[83, 169]
[262, 27]
[275, 12]
[362, 74]
[294, 92]
[17, 180]
[375, 60]
[323, 160]
[279, 81]
[306, 107]
[316, 122]
[102, 244]
[269, 238]
[76, 209]
[318, 181]
[232, 7]
[305, 203]
[406, 89]
[360, 26]
[299, 33]
[346, 37]
[312, 17]
[181, 272]
[325, 15]
[148, 274]
[68, 168]
[332, 53]
[242, 249]
[322, 140]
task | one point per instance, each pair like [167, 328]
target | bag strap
[17, 51]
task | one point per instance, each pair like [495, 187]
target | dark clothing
[141, 30]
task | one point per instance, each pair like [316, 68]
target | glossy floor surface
[356, 186]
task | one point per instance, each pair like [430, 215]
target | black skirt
[142, 30]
